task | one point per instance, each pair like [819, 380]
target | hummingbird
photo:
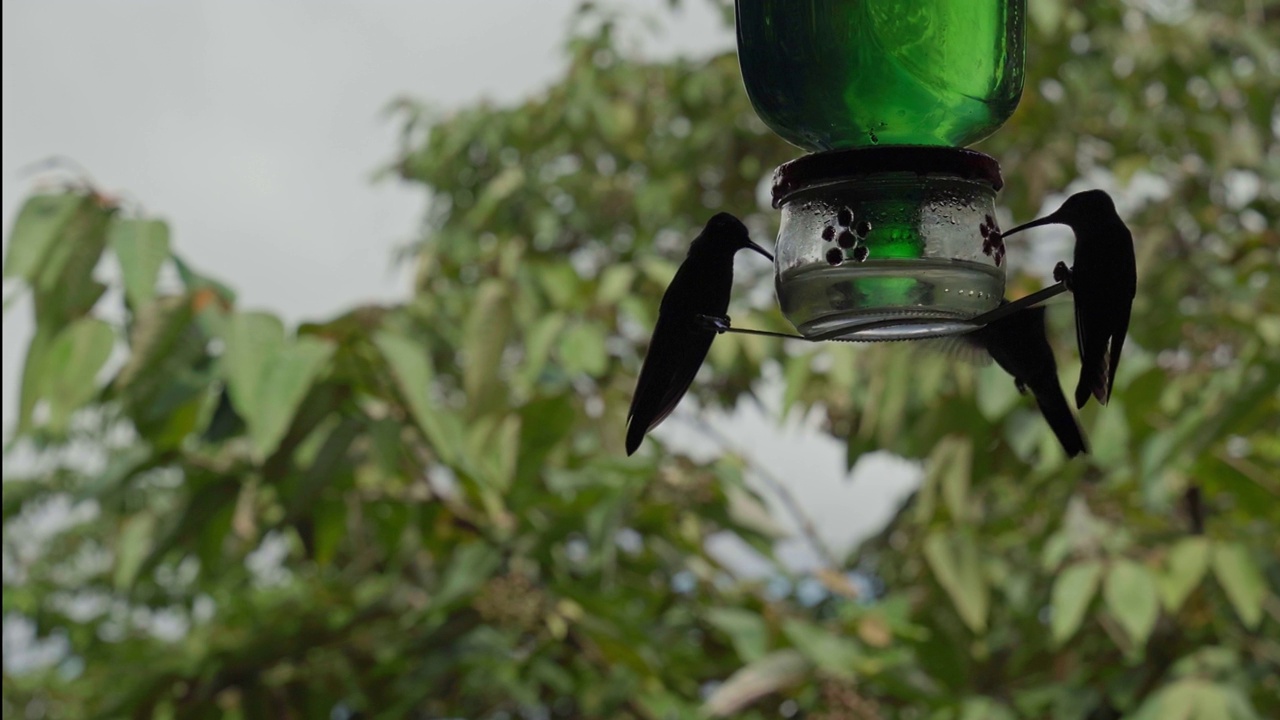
[691, 314]
[1103, 280]
[1018, 344]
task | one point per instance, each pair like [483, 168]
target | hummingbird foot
[1063, 274]
[1022, 386]
[717, 323]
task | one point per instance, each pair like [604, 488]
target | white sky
[254, 128]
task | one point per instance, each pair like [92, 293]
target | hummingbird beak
[753, 246]
[1046, 220]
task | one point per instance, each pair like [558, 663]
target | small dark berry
[844, 217]
[846, 239]
[828, 233]
[863, 229]
[834, 256]
[860, 253]
[982, 229]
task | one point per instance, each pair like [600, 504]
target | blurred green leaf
[1195, 699]
[411, 368]
[132, 547]
[1130, 595]
[199, 527]
[746, 630]
[1240, 578]
[160, 328]
[142, 247]
[796, 377]
[997, 393]
[252, 341]
[329, 462]
[545, 423]
[827, 651]
[33, 378]
[196, 282]
[268, 377]
[1045, 16]
[1185, 567]
[472, 563]
[951, 462]
[538, 344]
[582, 350]
[71, 367]
[64, 288]
[1110, 435]
[953, 558]
[984, 709]
[42, 218]
[488, 324]
[286, 378]
[615, 283]
[1073, 590]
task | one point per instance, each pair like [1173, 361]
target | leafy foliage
[423, 510]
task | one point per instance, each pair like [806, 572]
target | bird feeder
[888, 228]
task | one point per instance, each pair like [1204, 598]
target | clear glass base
[888, 299]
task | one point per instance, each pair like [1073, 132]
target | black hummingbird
[692, 313]
[1018, 344]
[1103, 280]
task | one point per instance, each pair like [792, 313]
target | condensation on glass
[883, 250]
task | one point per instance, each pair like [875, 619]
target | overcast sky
[255, 128]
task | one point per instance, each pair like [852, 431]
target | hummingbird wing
[1117, 344]
[1018, 343]
[957, 348]
[1093, 340]
[675, 354]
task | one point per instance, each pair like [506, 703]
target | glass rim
[836, 166]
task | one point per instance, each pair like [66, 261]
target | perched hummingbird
[1103, 280]
[1018, 344]
[692, 312]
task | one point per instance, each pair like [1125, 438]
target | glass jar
[828, 74]
[888, 243]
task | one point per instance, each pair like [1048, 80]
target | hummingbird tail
[1095, 373]
[1053, 405]
[635, 436]
[1084, 390]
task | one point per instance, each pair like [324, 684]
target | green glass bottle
[834, 74]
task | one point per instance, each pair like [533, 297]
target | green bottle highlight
[835, 74]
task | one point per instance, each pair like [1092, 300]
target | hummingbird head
[726, 232]
[1077, 212]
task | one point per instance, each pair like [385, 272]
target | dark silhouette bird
[1103, 280]
[692, 312]
[1018, 344]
